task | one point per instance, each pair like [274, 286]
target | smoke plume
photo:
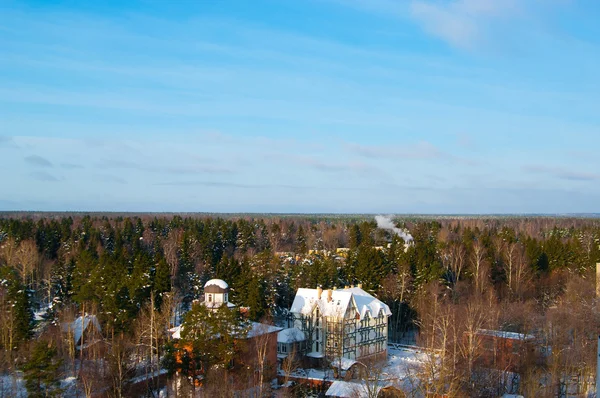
[385, 222]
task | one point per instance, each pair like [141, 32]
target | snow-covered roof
[505, 335]
[79, 325]
[290, 335]
[315, 354]
[258, 329]
[215, 304]
[306, 300]
[176, 332]
[343, 363]
[345, 389]
[217, 282]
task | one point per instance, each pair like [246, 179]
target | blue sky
[382, 106]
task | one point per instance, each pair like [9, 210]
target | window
[284, 348]
[210, 298]
[317, 346]
[488, 344]
[516, 347]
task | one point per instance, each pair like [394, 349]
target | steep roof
[306, 300]
[258, 329]
[290, 335]
[79, 325]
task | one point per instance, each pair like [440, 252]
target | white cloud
[461, 23]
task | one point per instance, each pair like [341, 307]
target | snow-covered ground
[401, 369]
[403, 362]
[14, 386]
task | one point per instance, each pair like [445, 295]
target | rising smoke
[385, 222]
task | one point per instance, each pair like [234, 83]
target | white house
[216, 294]
[341, 323]
[290, 341]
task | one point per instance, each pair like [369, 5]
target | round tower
[216, 293]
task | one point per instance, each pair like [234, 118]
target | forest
[138, 273]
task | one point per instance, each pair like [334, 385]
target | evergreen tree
[355, 236]
[84, 286]
[62, 280]
[162, 280]
[15, 305]
[41, 371]
[214, 337]
[256, 299]
[301, 243]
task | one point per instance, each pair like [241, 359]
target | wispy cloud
[222, 184]
[43, 176]
[389, 7]
[465, 141]
[109, 178]
[420, 150]
[461, 23]
[326, 165]
[7, 142]
[71, 166]
[170, 169]
[38, 161]
[562, 173]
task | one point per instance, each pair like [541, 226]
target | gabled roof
[290, 335]
[79, 325]
[258, 329]
[307, 299]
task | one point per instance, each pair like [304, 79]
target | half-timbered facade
[341, 323]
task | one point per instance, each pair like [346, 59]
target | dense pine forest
[439, 276]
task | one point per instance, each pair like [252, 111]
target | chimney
[360, 285]
[319, 292]
[328, 295]
[351, 286]
[334, 288]
[346, 287]
[598, 281]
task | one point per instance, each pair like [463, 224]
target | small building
[337, 323]
[289, 341]
[83, 331]
[216, 294]
[368, 389]
[258, 343]
[505, 351]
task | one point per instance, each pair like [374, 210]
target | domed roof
[219, 282]
[216, 286]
